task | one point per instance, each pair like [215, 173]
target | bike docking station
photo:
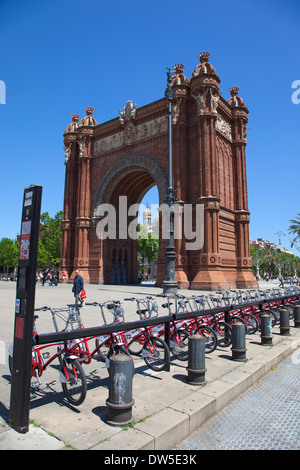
[24, 310]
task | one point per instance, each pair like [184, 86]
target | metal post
[297, 316]
[167, 341]
[284, 321]
[266, 329]
[120, 402]
[196, 360]
[238, 342]
[170, 285]
[24, 310]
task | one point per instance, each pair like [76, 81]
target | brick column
[82, 219]
[206, 264]
[69, 210]
[180, 84]
[244, 276]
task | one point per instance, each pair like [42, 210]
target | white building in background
[152, 228]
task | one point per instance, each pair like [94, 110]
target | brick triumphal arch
[115, 163]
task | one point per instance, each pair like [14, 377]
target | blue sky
[60, 56]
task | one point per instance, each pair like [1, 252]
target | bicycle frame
[113, 341]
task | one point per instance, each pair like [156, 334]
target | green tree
[294, 229]
[259, 258]
[50, 241]
[271, 262]
[147, 245]
[9, 252]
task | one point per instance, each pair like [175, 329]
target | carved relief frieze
[131, 134]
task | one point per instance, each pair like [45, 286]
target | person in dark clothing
[78, 286]
[281, 281]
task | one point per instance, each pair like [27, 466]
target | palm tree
[295, 228]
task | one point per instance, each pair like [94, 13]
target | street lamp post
[169, 284]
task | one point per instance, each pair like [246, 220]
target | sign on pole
[24, 310]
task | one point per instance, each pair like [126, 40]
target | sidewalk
[166, 408]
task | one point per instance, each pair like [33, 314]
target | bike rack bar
[48, 338]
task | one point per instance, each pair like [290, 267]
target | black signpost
[24, 310]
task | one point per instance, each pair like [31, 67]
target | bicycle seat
[167, 305]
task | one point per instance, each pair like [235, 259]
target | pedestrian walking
[78, 286]
[44, 280]
[52, 280]
[281, 281]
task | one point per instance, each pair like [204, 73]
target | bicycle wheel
[273, 317]
[102, 351]
[135, 346]
[156, 353]
[224, 333]
[211, 339]
[237, 319]
[179, 345]
[73, 381]
[251, 323]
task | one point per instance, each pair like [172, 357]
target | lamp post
[169, 284]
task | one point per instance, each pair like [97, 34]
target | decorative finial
[204, 56]
[89, 111]
[75, 117]
[234, 90]
[179, 68]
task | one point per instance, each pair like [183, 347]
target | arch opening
[125, 190]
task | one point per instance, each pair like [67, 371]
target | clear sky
[58, 57]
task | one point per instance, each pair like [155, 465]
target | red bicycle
[71, 376]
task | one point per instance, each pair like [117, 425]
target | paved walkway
[265, 417]
[166, 408]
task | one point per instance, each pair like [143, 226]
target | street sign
[24, 310]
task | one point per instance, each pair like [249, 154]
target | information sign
[24, 310]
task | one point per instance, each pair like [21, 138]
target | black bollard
[238, 342]
[266, 329]
[196, 360]
[120, 402]
[284, 321]
[297, 316]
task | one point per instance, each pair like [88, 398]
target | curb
[166, 428]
